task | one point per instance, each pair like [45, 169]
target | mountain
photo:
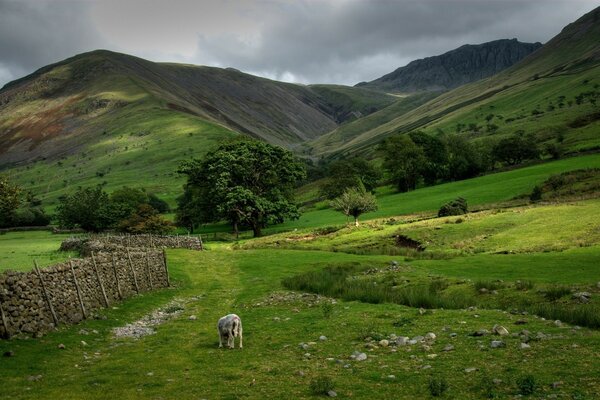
[465, 64]
[111, 118]
[552, 93]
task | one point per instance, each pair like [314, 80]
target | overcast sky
[335, 41]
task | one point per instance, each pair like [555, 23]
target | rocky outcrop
[465, 64]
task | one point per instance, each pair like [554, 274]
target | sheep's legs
[241, 340]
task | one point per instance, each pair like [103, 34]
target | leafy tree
[146, 220]
[125, 201]
[436, 156]
[355, 202]
[158, 204]
[516, 148]
[464, 159]
[88, 208]
[245, 182]
[10, 200]
[344, 174]
[404, 161]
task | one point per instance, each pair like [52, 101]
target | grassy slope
[19, 249]
[561, 68]
[486, 189]
[330, 142]
[182, 359]
[346, 100]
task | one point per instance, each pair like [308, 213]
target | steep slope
[110, 118]
[552, 93]
[457, 67]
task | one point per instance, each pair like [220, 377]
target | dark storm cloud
[340, 41]
[358, 40]
[33, 34]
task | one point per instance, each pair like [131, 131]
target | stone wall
[109, 242]
[35, 302]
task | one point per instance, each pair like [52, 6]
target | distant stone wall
[35, 302]
[96, 243]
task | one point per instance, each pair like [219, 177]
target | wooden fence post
[114, 265]
[137, 289]
[99, 280]
[166, 267]
[46, 296]
[4, 324]
[149, 271]
[78, 290]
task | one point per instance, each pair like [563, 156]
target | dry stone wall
[35, 302]
[169, 241]
[87, 245]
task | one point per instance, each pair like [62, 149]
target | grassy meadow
[182, 359]
[510, 262]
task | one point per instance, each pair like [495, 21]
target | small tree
[355, 202]
[344, 174]
[10, 199]
[146, 220]
[404, 161]
[88, 208]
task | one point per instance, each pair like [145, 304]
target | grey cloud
[34, 34]
[335, 41]
[340, 41]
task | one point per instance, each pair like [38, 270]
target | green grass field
[18, 250]
[182, 359]
[492, 188]
[529, 259]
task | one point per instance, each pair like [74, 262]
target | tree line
[250, 184]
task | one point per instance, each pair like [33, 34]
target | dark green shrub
[556, 292]
[524, 285]
[489, 285]
[327, 309]
[536, 193]
[321, 385]
[526, 385]
[437, 386]
[455, 207]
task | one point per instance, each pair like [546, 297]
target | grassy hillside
[182, 359]
[330, 142]
[351, 103]
[550, 93]
[489, 189]
[112, 119]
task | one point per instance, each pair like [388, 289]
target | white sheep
[230, 327]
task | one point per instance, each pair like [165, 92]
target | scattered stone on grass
[496, 344]
[583, 297]
[61, 346]
[192, 318]
[322, 338]
[384, 343]
[469, 370]
[500, 330]
[525, 346]
[449, 348]
[145, 325]
[34, 378]
[331, 393]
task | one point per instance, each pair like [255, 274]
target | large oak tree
[245, 182]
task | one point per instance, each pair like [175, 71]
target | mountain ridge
[465, 64]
